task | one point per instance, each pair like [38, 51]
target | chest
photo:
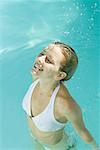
[38, 103]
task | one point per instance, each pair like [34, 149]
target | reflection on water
[30, 23]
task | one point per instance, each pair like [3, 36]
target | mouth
[36, 68]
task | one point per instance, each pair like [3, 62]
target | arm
[75, 116]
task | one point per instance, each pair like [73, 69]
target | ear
[61, 75]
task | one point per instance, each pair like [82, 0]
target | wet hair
[71, 60]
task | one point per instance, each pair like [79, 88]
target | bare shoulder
[66, 101]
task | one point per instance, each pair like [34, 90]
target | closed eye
[48, 60]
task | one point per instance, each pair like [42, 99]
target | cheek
[49, 69]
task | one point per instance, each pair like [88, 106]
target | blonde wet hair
[71, 60]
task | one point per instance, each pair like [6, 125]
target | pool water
[26, 27]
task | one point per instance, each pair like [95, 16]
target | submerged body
[36, 104]
[49, 105]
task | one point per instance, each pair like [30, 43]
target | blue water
[27, 26]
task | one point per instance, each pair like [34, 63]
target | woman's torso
[38, 104]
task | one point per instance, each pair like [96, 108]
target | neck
[47, 86]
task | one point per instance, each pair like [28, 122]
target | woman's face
[48, 62]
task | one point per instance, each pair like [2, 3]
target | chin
[37, 74]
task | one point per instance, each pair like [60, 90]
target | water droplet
[83, 5]
[95, 4]
[92, 19]
[88, 39]
[66, 33]
[77, 87]
[91, 6]
[74, 4]
[77, 7]
[90, 27]
[81, 14]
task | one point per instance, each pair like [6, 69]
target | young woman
[48, 104]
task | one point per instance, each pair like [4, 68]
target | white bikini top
[45, 121]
